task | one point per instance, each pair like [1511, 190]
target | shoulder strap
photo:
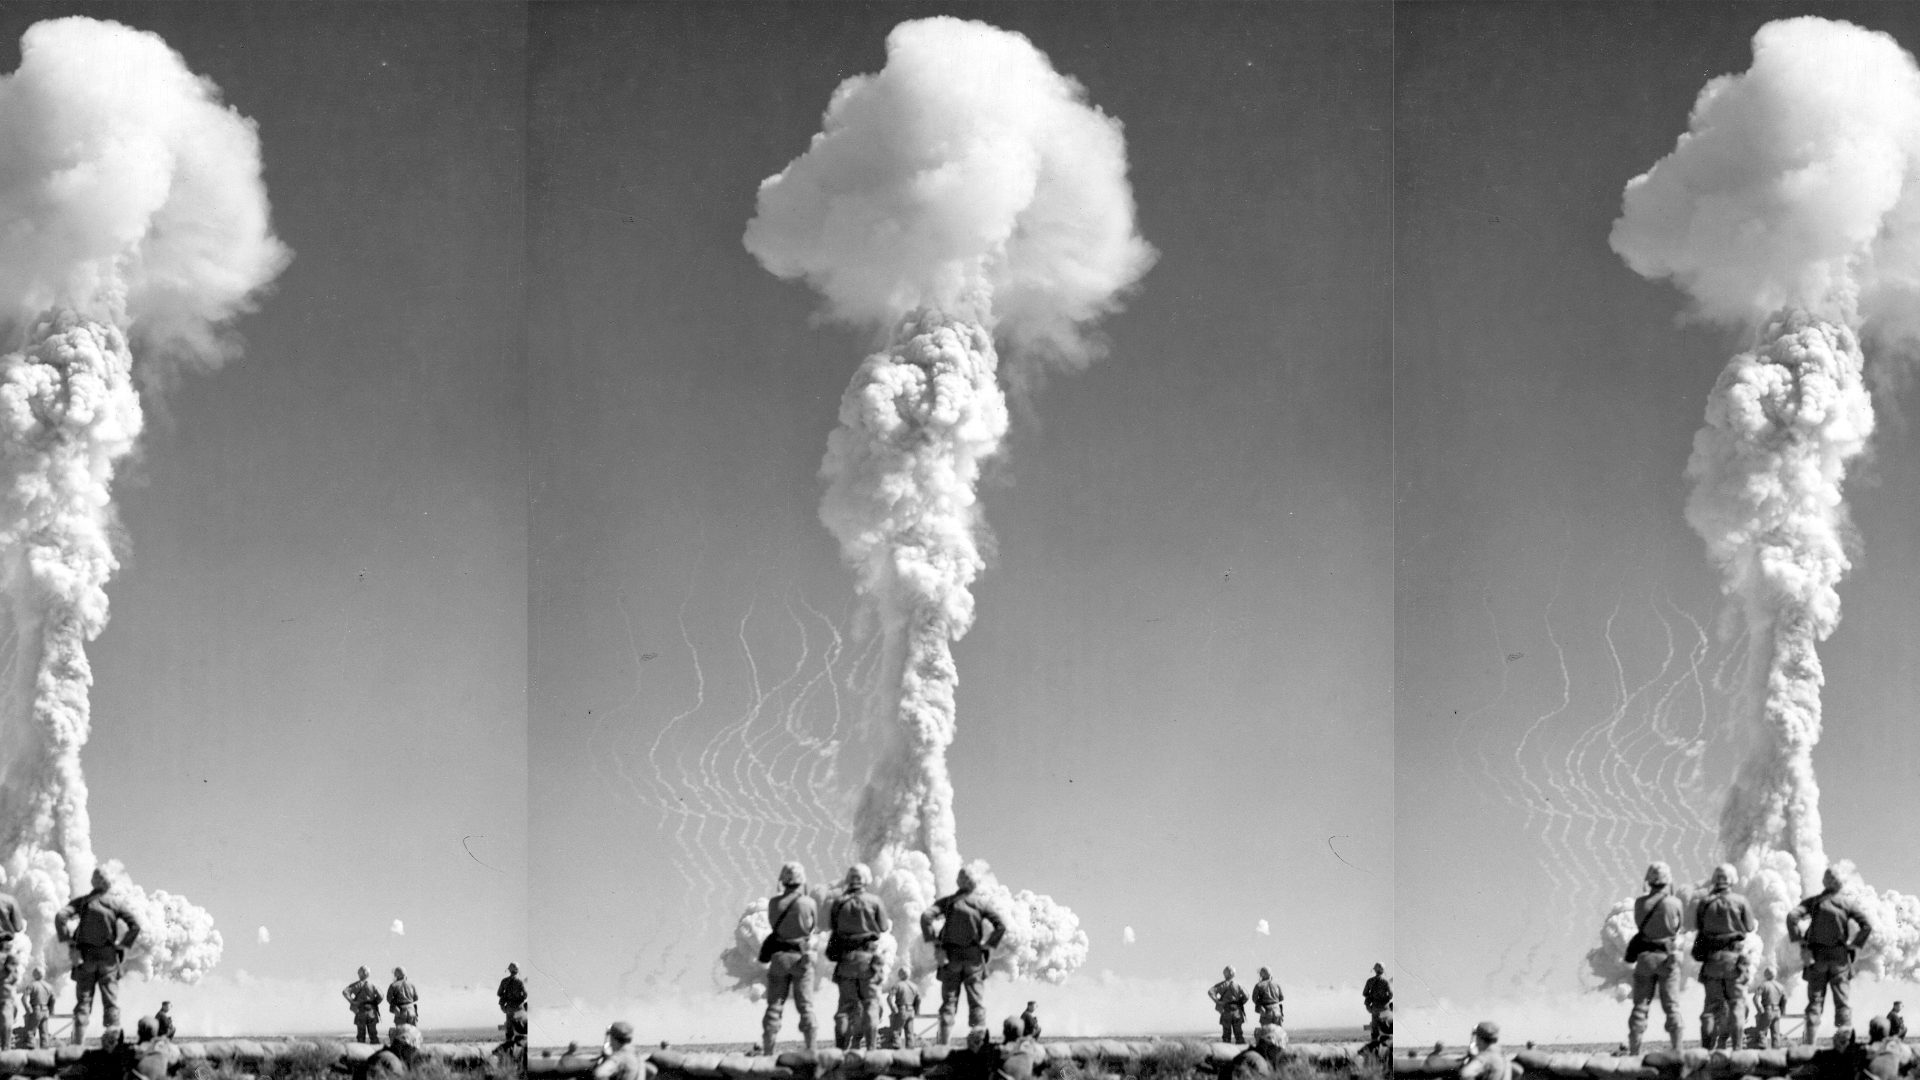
[774, 926]
[1642, 928]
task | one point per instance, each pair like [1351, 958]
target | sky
[1556, 619]
[1175, 709]
[309, 707]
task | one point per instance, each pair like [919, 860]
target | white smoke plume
[964, 192]
[262, 936]
[1789, 209]
[134, 225]
[1126, 935]
[1261, 928]
[398, 928]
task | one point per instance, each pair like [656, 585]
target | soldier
[163, 1020]
[1723, 920]
[403, 1000]
[364, 999]
[856, 919]
[1486, 1062]
[513, 991]
[1267, 998]
[791, 916]
[1377, 996]
[396, 1057]
[1018, 1053]
[1769, 1004]
[903, 1004]
[39, 1001]
[1262, 1058]
[1830, 930]
[1896, 1023]
[1231, 1003]
[964, 950]
[513, 1044]
[98, 931]
[154, 1056]
[619, 1058]
[1030, 1022]
[1656, 971]
[11, 926]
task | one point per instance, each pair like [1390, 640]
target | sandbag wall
[244, 1054]
[859, 1065]
[1656, 1065]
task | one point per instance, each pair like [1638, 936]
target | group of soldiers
[1829, 929]
[962, 928]
[97, 930]
[403, 998]
[1230, 1002]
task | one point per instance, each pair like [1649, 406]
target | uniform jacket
[97, 922]
[798, 918]
[855, 915]
[904, 999]
[1228, 997]
[363, 996]
[1377, 994]
[512, 993]
[1834, 923]
[1724, 913]
[1770, 997]
[400, 992]
[39, 997]
[965, 917]
[1659, 914]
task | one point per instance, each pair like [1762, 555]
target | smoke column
[1787, 209]
[133, 222]
[965, 194]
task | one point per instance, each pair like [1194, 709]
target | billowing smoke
[1262, 929]
[134, 225]
[1788, 209]
[398, 929]
[966, 193]
[1126, 935]
[262, 936]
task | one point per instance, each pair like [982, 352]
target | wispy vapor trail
[133, 224]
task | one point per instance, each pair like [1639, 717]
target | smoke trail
[964, 192]
[1788, 207]
[133, 219]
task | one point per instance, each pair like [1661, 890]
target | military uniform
[791, 916]
[1832, 929]
[1896, 1023]
[1267, 1002]
[625, 1063]
[1231, 1003]
[1657, 971]
[11, 924]
[404, 1000]
[512, 994]
[1029, 1024]
[1723, 920]
[39, 1002]
[964, 949]
[856, 919]
[364, 999]
[1769, 1004]
[903, 1003]
[1377, 996]
[99, 930]
[163, 1023]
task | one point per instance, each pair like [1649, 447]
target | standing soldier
[1030, 1022]
[513, 992]
[1231, 1003]
[163, 1021]
[1769, 1004]
[1723, 920]
[1267, 998]
[1830, 930]
[964, 949]
[1377, 996]
[98, 931]
[1896, 1023]
[791, 916]
[11, 927]
[903, 1003]
[39, 1009]
[856, 920]
[404, 1000]
[1656, 971]
[364, 999]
